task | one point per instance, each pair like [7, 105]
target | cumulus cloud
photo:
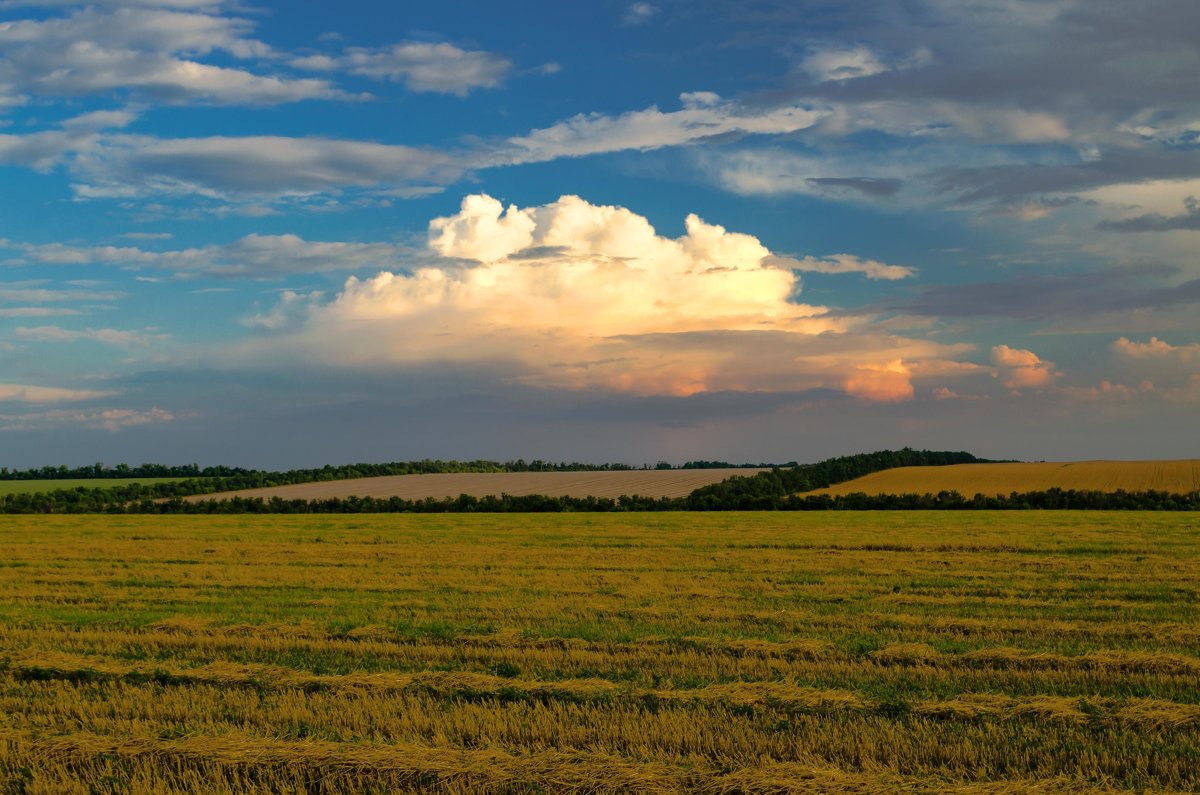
[582, 296]
[146, 49]
[888, 382]
[1156, 349]
[420, 66]
[1022, 369]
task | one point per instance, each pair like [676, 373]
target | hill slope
[1178, 477]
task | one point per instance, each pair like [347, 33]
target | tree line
[262, 478]
[779, 489]
[88, 501]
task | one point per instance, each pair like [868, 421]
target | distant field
[32, 486]
[599, 653]
[991, 479]
[647, 483]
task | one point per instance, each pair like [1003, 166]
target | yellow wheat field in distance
[647, 483]
[717, 653]
[990, 479]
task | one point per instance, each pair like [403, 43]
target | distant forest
[779, 489]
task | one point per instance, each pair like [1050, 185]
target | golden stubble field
[1179, 477]
[647, 483]
[660, 653]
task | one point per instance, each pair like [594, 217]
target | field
[990, 479]
[660, 653]
[647, 483]
[31, 486]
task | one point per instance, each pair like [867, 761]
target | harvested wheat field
[594, 653]
[1179, 477]
[647, 483]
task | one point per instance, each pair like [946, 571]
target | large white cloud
[582, 296]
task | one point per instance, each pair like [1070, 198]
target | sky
[285, 234]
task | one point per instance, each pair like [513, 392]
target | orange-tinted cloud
[582, 296]
[1155, 349]
[1022, 369]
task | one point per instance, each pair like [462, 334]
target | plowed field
[647, 483]
[971, 479]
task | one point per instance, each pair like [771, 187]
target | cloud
[848, 263]
[252, 257]
[1107, 390]
[571, 295]
[111, 419]
[776, 171]
[101, 120]
[888, 382]
[24, 393]
[107, 336]
[420, 66]
[1156, 349]
[25, 293]
[41, 151]
[638, 14]
[147, 50]
[1155, 222]
[1022, 369]
[704, 115]
[842, 64]
[252, 166]
[36, 311]
[1055, 296]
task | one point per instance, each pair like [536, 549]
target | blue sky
[291, 234]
